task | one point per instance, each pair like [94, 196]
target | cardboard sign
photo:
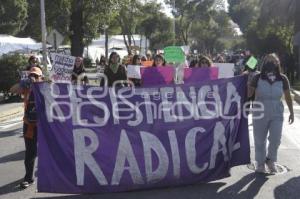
[252, 62]
[157, 75]
[134, 71]
[147, 63]
[226, 70]
[62, 67]
[24, 74]
[174, 54]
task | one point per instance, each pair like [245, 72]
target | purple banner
[94, 139]
[157, 75]
[193, 75]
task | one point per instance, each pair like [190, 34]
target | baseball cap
[36, 70]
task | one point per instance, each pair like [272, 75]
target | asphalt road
[243, 184]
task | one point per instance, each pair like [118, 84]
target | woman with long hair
[269, 87]
[114, 71]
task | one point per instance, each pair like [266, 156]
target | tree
[128, 17]
[57, 16]
[13, 15]
[156, 26]
[86, 19]
[186, 12]
[207, 35]
[243, 12]
[267, 25]
[78, 20]
[10, 66]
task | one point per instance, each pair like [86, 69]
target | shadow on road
[10, 133]
[13, 157]
[290, 188]
[11, 187]
[246, 187]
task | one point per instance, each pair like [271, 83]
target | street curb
[11, 113]
[296, 96]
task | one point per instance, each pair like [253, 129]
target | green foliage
[243, 12]
[209, 36]
[187, 13]
[87, 62]
[10, 66]
[12, 14]
[266, 24]
[156, 26]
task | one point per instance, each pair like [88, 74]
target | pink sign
[157, 75]
[192, 75]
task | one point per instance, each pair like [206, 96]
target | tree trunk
[106, 43]
[297, 16]
[76, 28]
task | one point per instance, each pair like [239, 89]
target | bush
[10, 66]
[87, 62]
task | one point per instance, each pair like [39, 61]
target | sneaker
[260, 169]
[25, 184]
[271, 166]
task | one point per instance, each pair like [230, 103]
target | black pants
[30, 154]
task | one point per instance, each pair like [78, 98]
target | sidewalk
[10, 110]
[296, 95]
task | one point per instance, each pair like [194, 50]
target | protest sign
[174, 54]
[193, 75]
[226, 70]
[157, 75]
[252, 62]
[24, 74]
[93, 140]
[62, 68]
[134, 72]
[147, 63]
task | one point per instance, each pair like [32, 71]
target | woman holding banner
[30, 122]
[159, 61]
[269, 87]
[114, 70]
[204, 62]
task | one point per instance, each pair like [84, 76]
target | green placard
[251, 63]
[174, 54]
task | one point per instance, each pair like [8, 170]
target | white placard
[62, 68]
[134, 71]
[226, 70]
[24, 74]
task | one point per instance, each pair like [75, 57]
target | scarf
[114, 67]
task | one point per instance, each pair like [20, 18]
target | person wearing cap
[29, 123]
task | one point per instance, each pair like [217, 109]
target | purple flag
[157, 75]
[192, 75]
[97, 139]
